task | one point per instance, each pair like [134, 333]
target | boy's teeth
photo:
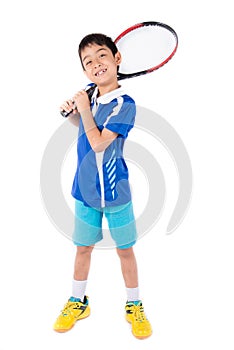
[101, 72]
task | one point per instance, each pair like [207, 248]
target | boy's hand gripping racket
[145, 47]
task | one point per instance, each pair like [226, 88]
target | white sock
[133, 294]
[78, 289]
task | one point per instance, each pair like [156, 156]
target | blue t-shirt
[101, 179]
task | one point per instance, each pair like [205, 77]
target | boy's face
[100, 66]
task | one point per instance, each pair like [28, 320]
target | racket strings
[145, 48]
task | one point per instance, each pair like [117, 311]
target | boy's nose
[97, 64]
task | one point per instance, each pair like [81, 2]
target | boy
[101, 184]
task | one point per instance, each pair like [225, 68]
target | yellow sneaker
[73, 311]
[141, 327]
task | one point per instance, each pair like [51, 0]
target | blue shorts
[88, 225]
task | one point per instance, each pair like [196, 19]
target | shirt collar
[109, 96]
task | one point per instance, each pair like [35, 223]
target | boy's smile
[102, 71]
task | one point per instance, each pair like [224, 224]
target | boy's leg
[135, 314]
[77, 306]
[81, 271]
[82, 263]
[129, 267]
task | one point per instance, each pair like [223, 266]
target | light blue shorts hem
[88, 225]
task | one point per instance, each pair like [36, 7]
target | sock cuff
[78, 289]
[133, 294]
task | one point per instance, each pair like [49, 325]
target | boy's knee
[124, 253]
[83, 250]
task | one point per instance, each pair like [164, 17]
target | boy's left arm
[99, 140]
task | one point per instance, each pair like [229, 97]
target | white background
[186, 279]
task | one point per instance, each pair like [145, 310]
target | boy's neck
[105, 89]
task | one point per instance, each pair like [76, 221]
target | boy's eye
[103, 55]
[88, 63]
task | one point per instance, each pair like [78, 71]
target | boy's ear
[118, 58]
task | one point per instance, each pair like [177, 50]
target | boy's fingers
[67, 106]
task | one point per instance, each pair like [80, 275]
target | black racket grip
[90, 94]
[66, 114]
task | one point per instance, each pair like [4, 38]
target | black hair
[98, 39]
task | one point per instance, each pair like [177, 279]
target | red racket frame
[122, 76]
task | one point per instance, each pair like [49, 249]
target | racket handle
[66, 114]
[90, 94]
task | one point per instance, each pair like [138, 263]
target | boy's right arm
[73, 117]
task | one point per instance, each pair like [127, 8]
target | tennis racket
[145, 47]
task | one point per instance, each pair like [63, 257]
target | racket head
[145, 47]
